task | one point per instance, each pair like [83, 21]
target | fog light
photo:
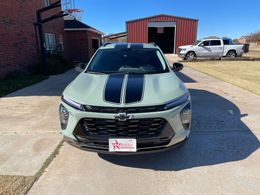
[186, 116]
[64, 117]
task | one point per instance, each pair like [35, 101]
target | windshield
[197, 42]
[143, 61]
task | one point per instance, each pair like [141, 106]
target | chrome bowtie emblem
[122, 116]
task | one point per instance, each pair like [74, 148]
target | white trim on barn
[161, 24]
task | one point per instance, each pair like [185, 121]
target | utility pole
[39, 24]
[41, 39]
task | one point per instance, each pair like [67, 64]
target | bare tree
[235, 41]
[254, 37]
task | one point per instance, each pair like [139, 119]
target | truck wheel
[190, 56]
[231, 54]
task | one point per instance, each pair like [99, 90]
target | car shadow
[218, 136]
[53, 86]
[185, 78]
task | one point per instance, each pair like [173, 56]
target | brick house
[18, 40]
[243, 39]
[80, 40]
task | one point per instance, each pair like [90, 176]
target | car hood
[185, 46]
[120, 90]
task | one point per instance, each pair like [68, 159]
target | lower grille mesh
[131, 128]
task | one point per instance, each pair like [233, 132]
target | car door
[216, 48]
[203, 49]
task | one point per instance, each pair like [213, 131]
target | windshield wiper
[112, 72]
[133, 72]
[116, 72]
[92, 72]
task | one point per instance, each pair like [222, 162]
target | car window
[128, 60]
[226, 42]
[196, 42]
[215, 42]
[205, 43]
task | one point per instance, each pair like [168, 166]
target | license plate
[122, 145]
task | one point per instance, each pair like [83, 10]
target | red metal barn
[168, 32]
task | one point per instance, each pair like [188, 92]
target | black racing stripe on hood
[113, 88]
[134, 88]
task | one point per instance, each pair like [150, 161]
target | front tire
[190, 56]
[231, 54]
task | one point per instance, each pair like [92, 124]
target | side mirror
[176, 67]
[83, 65]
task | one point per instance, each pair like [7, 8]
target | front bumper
[182, 53]
[83, 146]
[171, 134]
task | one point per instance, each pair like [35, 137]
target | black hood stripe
[134, 88]
[113, 88]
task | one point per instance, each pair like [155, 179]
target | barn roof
[161, 15]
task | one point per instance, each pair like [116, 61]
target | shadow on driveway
[185, 78]
[53, 86]
[218, 136]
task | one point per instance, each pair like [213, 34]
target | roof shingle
[75, 24]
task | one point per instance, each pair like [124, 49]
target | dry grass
[254, 47]
[245, 74]
[253, 54]
[17, 185]
[14, 184]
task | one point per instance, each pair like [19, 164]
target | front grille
[138, 128]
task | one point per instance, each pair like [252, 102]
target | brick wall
[78, 44]
[90, 36]
[76, 47]
[17, 37]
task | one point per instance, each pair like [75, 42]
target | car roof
[209, 39]
[128, 45]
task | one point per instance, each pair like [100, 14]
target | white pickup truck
[210, 48]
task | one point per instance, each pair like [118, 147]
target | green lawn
[9, 85]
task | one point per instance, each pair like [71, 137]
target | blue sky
[231, 18]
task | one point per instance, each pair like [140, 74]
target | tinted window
[226, 42]
[205, 43]
[215, 42]
[128, 61]
[196, 42]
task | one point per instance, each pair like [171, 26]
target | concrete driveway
[29, 126]
[221, 157]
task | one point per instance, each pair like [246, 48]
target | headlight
[64, 117]
[177, 101]
[72, 103]
[185, 116]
